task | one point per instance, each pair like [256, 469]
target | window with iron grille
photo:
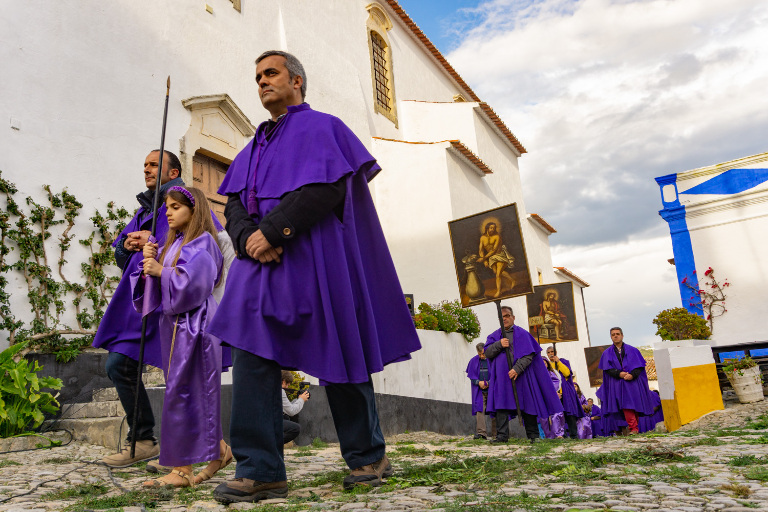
[380, 79]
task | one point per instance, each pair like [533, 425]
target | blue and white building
[718, 218]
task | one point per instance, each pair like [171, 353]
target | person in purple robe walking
[583, 424]
[120, 329]
[594, 415]
[571, 407]
[553, 426]
[479, 377]
[187, 270]
[624, 393]
[313, 288]
[537, 398]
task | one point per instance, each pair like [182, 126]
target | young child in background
[183, 278]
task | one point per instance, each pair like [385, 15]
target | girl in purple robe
[583, 424]
[571, 406]
[553, 426]
[183, 278]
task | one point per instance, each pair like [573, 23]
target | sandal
[224, 461]
[186, 480]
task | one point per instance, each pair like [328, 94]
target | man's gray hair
[480, 347]
[293, 66]
[508, 309]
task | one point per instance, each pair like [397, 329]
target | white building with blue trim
[718, 218]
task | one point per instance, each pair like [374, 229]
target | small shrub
[681, 324]
[448, 317]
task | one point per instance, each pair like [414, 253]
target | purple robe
[619, 394]
[570, 400]
[597, 425]
[473, 372]
[534, 389]
[583, 424]
[120, 328]
[192, 359]
[333, 306]
[647, 423]
[553, 426]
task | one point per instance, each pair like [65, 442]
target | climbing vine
[710, 294]
[27, 233]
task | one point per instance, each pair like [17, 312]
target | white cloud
[607, 95]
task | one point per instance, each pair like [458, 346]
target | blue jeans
[256, 428]
[124, 372]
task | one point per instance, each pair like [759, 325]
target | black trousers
[570, 420]
[124, 372]
[291, 431]
[502, 425]
[256, 428]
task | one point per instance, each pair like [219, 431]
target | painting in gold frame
[489, 255]
[552, 313]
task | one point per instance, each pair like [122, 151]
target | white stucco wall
[727, 233]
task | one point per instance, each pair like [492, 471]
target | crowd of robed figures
[505, 375]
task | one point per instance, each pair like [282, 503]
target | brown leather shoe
[370, 474]
[247, 490]
[147, 449]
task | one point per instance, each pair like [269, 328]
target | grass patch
[149, 499]
[675, 474]
[760, 440]
[6, 463]
[748, 504]
[319, 443]
[77, 491]
[747, 460]
[498, 503]
[707, 441]
[738, 490]
[575, 473]
[641, 456]
[760, 423]
[332, 477]
[449, 453]
[188, 495]
[472, 442]
[400, 443]
[412, 451]
[757, 473]
[123, 474]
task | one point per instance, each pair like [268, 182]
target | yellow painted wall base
[697, 393]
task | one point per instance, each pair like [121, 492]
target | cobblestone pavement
[719, 463]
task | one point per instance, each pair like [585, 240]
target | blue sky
[606, 95]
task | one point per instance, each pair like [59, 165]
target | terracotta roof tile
[419, 34]
[546, 225]
[573, 276]
[457, 145]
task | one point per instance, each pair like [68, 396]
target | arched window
[378, 25]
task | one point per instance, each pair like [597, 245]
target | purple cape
[473, 372]
[597, 425]
[120, 328]
[618, 394]
[333, 306]
[534, 388]
[648, 423]
[570, 400]
[583, 424]
[192, 359]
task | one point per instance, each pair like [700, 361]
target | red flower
[694, 271]
[708, 271]
[685, 280]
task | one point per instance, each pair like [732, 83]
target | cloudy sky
[606, 95]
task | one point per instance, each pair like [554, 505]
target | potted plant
[745, 378]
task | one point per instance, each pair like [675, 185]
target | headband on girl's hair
[186, 193]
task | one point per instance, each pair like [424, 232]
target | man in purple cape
[624, 393]
[477, 371]
[648, 423]
[571, 406]
[120, 329]
[313, 288]
[538, 399]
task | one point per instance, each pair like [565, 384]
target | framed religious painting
[552, 313]
[592, 356]
[489, 255]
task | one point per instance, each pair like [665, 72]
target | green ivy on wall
[24, 231]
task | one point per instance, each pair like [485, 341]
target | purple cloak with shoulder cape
[120, 328]
[648, 423]
[333, 306]
[597, 425]
[583, 424]
[534, 387]
[473, 372]
[570, 400]
[618, 394]
[192, 359]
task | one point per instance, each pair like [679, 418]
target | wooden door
[207, 175]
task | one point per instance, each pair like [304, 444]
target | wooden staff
[510, 351]
[155, 208]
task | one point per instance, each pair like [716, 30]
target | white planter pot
[747, 384]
